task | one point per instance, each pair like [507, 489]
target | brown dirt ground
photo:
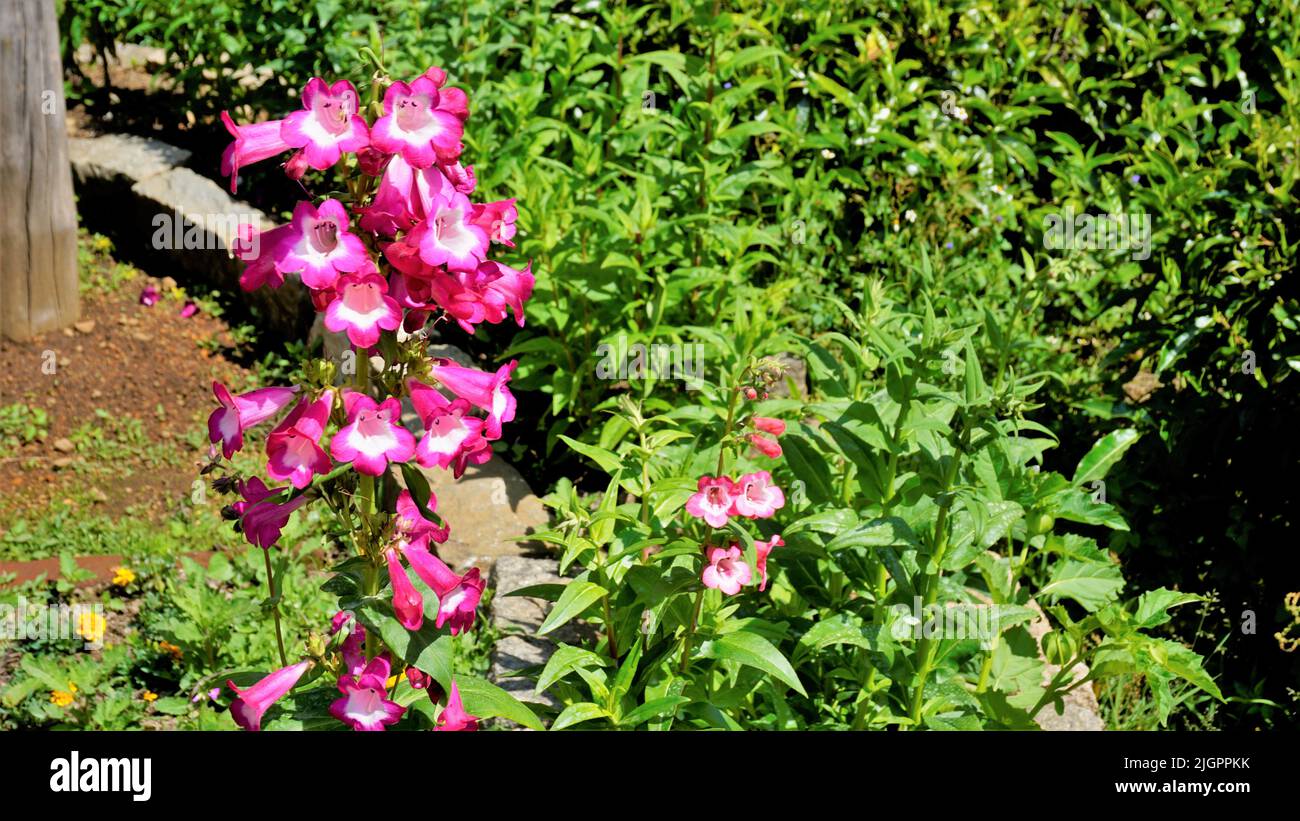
[133, 361]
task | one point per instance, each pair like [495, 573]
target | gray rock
[121, 158]
[489, 509]
[518, 617]
[134, 190]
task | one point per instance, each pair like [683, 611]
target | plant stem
[926, 649]
[275, 607]
[690, 633]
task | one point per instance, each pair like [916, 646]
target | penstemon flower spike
[404, 246]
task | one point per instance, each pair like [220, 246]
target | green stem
[690, 632]
[928, 646]
[275, 607]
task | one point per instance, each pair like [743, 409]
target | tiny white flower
[577, 113]
[913, 169]
[910, 215]
[827, 154]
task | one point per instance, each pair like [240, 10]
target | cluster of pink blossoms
[364, 684]
[410, 213]
[752, 496]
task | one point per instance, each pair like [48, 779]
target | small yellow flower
[91, 626]
[61, 698]
[149, 695]
[122, 576]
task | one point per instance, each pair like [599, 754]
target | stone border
[138, 192]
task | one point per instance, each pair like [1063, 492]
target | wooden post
[38, 220]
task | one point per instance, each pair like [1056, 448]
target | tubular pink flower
[362, 307]
[408, 604]
[405, 196]
[253, 143]
[497, 219]
[415, 527]
[263, 254]
[293, 448]
[373, 436]
[458, 596]
[149, 296]
[482, 389]
[414, 126]
[509, 286]
[447, 237]
[322, 248]
[756, 497]
[353, 650]
[726, 571]
[763, 549]
[453, 717]
[261, 520]
[250, 705]
[365, 705]
[712, 501]
[449, 432]
[239, 413]
[765, 446]
[768, 425]
[461, 176]
[328, 124]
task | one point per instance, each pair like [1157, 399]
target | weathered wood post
[38, 220]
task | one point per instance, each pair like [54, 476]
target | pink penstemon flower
[712, 500]
[756, 497]
[408, 603]
[448, 237]
[414, 126]
[767, 447]
[362, 307]
[497, 219]
[365, 705]
[250, 705]
[322, 248]
[482, 389]
[452, 437]
[373, 436]
[415, 527]
[328, 124]
[261, 518]
[353, 648]
[767, 424]
[726, 570]
[762, 550]
[253, 143]
[453, 717]
[458, 596]
[237, 414]
[293, 448]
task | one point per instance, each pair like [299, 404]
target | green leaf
[755, 651]
[608, 461]
[484, 699]
[566, 659]
[419, 487]
[1153, 606]
[578, 713]
[652, 708]
[578, 595]
[1091, 584]
[1108, 450]
[808, 465]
